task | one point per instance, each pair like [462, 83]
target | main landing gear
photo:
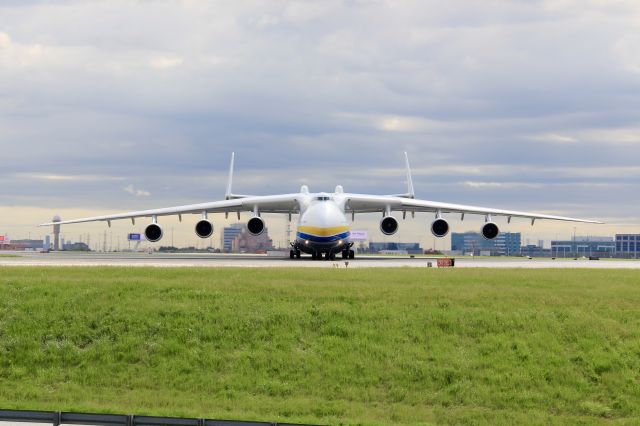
[294, 254]
[347, 253]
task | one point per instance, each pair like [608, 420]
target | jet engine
[389, 225]
[153, 232]
[439, 228]
[490, 230]
[255, 225]
[204, 228]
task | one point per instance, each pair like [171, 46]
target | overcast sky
[113, 105]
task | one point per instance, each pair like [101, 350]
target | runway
[207, 260]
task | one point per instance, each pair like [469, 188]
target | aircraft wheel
[352, 254]
[291, 254]
[345, 254]
[297, 254]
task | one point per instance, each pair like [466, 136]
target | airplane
[323, 228]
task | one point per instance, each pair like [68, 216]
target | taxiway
[262, 261]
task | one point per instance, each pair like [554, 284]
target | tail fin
[410, 192]
[229, 195]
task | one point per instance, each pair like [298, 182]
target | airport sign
[359, 235]
[135, 237]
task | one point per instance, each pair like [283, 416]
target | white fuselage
[322, 226]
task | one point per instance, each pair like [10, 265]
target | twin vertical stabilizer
[410, 192]
[229, 195]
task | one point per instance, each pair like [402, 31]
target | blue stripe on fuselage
[317, 239]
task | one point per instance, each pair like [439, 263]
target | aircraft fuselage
[323, 227]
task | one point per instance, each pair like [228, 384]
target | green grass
[8, 255]
[365, 346]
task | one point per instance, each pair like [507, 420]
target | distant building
[44, 245]
[410, 248]
[76, 247]
[56, 233]
[584, 246]
[505, 244]
[229, 234]
[628, 245]
[535, 251]
[28, 244]
[592, 238]
[237, 239]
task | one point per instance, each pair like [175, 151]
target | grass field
[376, 346]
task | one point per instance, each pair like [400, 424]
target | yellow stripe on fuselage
[323, 232]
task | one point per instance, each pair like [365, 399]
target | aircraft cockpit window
[322, 198]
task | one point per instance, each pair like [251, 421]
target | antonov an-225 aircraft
[323, 228]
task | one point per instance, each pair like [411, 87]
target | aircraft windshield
[322, 198]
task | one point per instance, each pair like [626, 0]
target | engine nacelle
[204, 228]
[439, 228]
[490, 230]
[255, 226]
[389, 225]
[153, 232]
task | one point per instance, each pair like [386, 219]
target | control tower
[56, 233]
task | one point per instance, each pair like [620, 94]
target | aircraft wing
[360, 203]
[286, 203]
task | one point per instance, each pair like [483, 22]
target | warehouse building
[473, 243]
[628, 245]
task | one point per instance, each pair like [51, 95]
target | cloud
[502, 185]
[518, 104]
[554, 138]
[613, 136]
[163, 62]
[18, 55]
[72, 178]
[135, 191]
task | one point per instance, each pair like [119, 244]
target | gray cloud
[515, 104]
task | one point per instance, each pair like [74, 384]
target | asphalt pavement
[283, 261]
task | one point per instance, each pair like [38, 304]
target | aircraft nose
[323, 215]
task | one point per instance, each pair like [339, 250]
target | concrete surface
[252, 261]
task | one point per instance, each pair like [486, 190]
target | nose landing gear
[318, 256]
